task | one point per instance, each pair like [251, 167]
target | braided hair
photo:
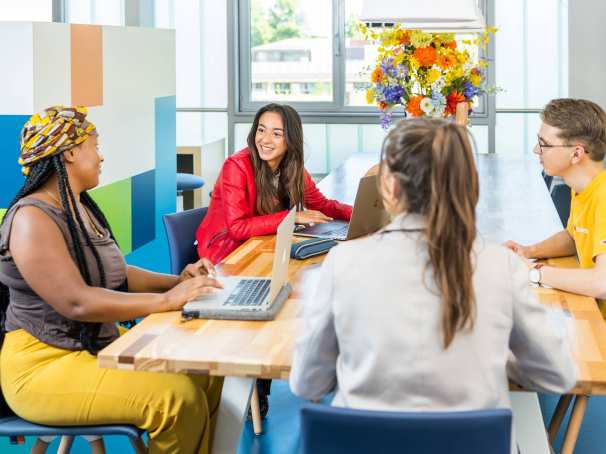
[39, 173]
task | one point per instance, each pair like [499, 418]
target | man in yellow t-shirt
[572, 144]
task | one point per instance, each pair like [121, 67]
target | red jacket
[232, 216]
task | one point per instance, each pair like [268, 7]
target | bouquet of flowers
[426, 73]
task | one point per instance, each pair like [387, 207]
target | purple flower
[393, 94]
[469, 90]
[386, 119]
[388, 68]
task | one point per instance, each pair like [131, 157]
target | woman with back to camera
[397, 318]
[65, 283]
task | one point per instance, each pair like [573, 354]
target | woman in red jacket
[259, 184]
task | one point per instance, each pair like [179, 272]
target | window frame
[246, 107]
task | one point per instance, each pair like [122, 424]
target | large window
[291, 55]
[308, 53]
[531, 67]
[26, 10]
[100, 12]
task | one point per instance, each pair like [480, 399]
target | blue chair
[547, 178]
[16, 428]
[181, 233]
[332, 430]
[560, 194]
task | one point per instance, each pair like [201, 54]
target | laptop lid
[368, 214]
[279, 272]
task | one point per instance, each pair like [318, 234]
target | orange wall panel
[87, 65]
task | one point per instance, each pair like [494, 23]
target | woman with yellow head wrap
[69, 284]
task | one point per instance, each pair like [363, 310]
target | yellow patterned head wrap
[53, 131]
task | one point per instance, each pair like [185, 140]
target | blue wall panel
[143, 196]
[12, 179]
[166, 157]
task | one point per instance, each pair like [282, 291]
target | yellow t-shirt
[587, 221]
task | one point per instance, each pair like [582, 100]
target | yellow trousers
[49, 385]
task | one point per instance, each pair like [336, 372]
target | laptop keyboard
[339, 232]
[249, 292]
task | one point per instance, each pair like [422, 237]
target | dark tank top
[26, 310]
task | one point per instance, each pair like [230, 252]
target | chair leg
[65, 445]
[138, 445]
[256, 411]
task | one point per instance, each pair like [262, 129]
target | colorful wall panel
[126, 77]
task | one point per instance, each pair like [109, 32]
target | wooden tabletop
[514, 204]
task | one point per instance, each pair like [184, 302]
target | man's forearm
[559, 245]
[585, 281]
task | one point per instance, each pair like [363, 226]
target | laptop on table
[250, 298]
[367, 217]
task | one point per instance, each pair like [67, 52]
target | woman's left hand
[202, 267]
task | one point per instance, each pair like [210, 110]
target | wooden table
[514, 204]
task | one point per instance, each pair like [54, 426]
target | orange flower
[451, 44]
[452, 100]
[403, 37]
[414, 106]
[446, 61]
[377, 75]
[383, 105]
[426, 56]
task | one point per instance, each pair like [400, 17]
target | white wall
[587, 60]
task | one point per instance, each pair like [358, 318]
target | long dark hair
[434, 165]
[39, 174]
[291, 186]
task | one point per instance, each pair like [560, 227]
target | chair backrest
[334, 430]
[181, 233]
[560, 194]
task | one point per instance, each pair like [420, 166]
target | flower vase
[462, 113]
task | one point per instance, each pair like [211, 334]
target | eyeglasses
[541, 145]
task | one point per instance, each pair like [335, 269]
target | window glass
[291, 50]
[100, 12]
[26, 10]
[531, 52]
[201, 54]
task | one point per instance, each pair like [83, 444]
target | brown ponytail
[433, 162]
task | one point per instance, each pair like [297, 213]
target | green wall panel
[115, 201]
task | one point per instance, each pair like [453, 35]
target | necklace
[91, 224]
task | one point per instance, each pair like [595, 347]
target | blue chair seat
[188, 182]
[13, 425]
[332, 430]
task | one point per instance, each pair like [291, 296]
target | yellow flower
[457, 72]
[370, 96]
[475, 79]
[433, 75]
[419, 38]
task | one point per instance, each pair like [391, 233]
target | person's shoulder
[238, 162]
[241, 157]
[32, 219]
[355, 248]
[494, 256]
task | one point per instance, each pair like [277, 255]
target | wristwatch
[534, 274]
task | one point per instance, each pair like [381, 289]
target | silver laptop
[368, 216]
[250, 298]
